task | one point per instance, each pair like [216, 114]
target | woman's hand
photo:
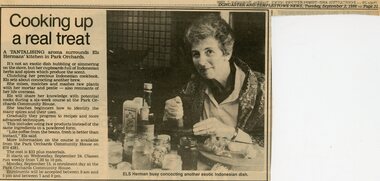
[173, 108]
[213, 126]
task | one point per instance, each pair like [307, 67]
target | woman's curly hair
[211, 25]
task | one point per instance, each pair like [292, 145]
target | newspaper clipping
[53, 100]
[141, 91]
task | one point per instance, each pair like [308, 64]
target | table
[206, 162]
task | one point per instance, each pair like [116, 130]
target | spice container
[159, 151]
[188, 151]
[172, 162]
[115, 150]
[161, 147]
[129, 140]
[165, 141]
[141, 155]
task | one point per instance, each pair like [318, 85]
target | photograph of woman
[201, 78]
[227, 96]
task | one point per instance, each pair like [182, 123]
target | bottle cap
[148, 86]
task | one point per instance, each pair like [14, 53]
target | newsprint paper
[141, 90]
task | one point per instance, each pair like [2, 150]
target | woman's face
[208, 58]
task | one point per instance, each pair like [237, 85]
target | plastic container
[131, 113]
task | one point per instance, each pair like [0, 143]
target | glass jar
[141, 155]
[172, 162]
[165, 141]
[129, 140]
[188, 151]
[161, 147]
[115, 153]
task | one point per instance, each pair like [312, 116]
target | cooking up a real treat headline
[50, 21]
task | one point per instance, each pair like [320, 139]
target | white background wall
[326, 96]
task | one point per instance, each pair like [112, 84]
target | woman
[224, 98]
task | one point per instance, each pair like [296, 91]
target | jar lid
[163, 137]
[187, 141]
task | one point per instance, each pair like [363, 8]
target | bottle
[143, 121]
[146, 123]
[188, 151]
[149, 127]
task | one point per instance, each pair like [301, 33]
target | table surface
[258, 162]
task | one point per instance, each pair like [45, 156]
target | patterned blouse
[251, 102]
